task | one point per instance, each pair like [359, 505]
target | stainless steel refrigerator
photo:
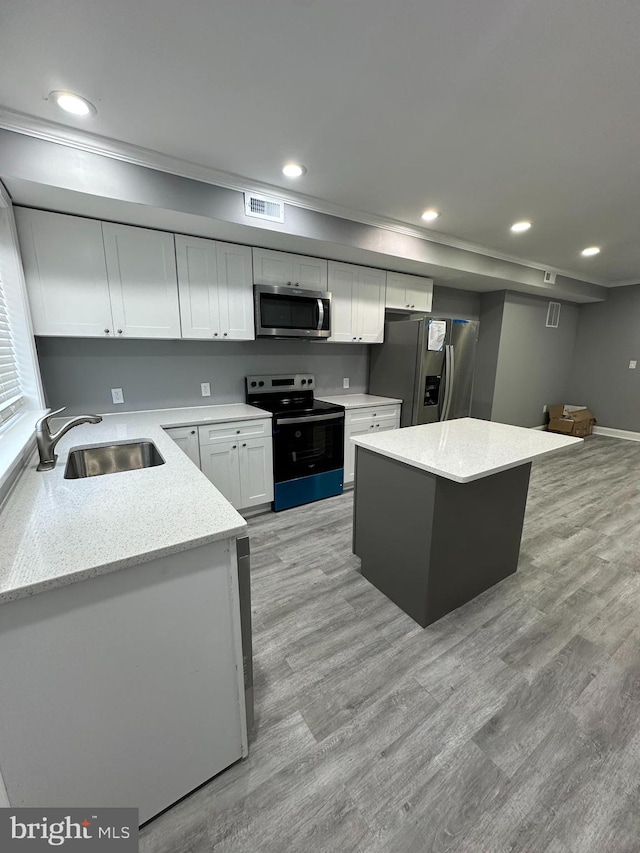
[428, 363]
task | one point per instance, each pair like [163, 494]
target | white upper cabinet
[216, 293]
[143, 284]
[291, 270]
[409, 292]
[66, 274]
[357, 303]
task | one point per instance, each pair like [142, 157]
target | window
[11, 396]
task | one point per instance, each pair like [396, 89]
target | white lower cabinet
[238, 459]
[187, 439]
[366, 421]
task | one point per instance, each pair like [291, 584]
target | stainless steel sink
[111, 459]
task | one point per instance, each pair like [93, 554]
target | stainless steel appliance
[428, 363]
[285, 312]
[244, 589]
[308, 438]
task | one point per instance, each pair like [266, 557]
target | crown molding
[623, 282]
[106, 147]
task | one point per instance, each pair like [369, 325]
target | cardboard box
[571, 420]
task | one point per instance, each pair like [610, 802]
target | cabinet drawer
[377, 413]
[214, 433]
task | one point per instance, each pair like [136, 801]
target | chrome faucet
[47, 442]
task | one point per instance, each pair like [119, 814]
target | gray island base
[431, 544]
[439, 509]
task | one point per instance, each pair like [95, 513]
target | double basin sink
[111, 459]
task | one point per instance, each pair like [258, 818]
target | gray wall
[79, 372]
[522, 365]
[450, 302]
[484, 381]
[607, 339]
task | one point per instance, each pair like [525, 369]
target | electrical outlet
[633, 364]
[345, 382]
[205, 387]
[116, 395]
[544, 409]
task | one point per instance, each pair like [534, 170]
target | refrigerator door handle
[449, 379]
[452, 378]
[445, 385]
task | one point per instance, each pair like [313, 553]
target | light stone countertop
[465, 449]
[55, 532]
[358, 401]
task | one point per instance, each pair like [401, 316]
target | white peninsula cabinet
[238, 459]
[289, 270]
[90, 279]
[408, 292]
[215, 288]
[357, 303]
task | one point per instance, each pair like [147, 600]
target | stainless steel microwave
[285, 312]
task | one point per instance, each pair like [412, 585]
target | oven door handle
[320, 314]
[310, 419]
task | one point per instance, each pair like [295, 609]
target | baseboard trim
[626, 434]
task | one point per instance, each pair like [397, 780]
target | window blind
[11, 398]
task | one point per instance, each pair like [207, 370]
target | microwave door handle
[320, 314]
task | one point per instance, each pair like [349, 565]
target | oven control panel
[281, 383]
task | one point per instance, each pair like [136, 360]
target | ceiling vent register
[263, 207]
[553, 315]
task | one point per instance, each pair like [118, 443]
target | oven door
[307, 445]
[285, 313]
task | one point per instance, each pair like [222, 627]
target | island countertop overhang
[465, 449]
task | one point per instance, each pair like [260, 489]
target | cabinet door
[66, 274]
[198, 287]
[309, 273]
[396, 291]
[350, 449]
[370, 296]
[187, 440]
[272, 267]
[256, 472]
[143, 284]
[235, 292]
[419, 293]
[219, 462]
[343, 283]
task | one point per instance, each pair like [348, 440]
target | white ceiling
[491, 111]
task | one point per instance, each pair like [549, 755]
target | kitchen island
[120, 635]
[439, 509]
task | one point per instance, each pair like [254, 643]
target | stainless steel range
[308, 438]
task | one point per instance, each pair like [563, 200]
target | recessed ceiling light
[519, 227]
[73, 103]
[590, 251]
[430, 215]
[293, 170]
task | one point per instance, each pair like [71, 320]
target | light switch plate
[116, 395]
[633, 364]
[345, 382]
[205, 387]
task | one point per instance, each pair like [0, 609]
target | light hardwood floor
[513, 724]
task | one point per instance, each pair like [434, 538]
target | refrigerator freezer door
[430, 390]
[464, 338]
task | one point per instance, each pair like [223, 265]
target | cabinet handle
[106, 331]
[193, 432]
[288, 284]
[119, 331]
[297, 284]
[407, 305]
[215, 334]
[355, 339]
[234, 446]
[359, 339]
[225, 334]
[237, 432]
[372, 426]
[413, 306]
[244, 445]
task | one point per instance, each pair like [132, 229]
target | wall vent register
[553, 315]
[263, 207]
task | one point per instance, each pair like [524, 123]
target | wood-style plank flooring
[513, 724]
